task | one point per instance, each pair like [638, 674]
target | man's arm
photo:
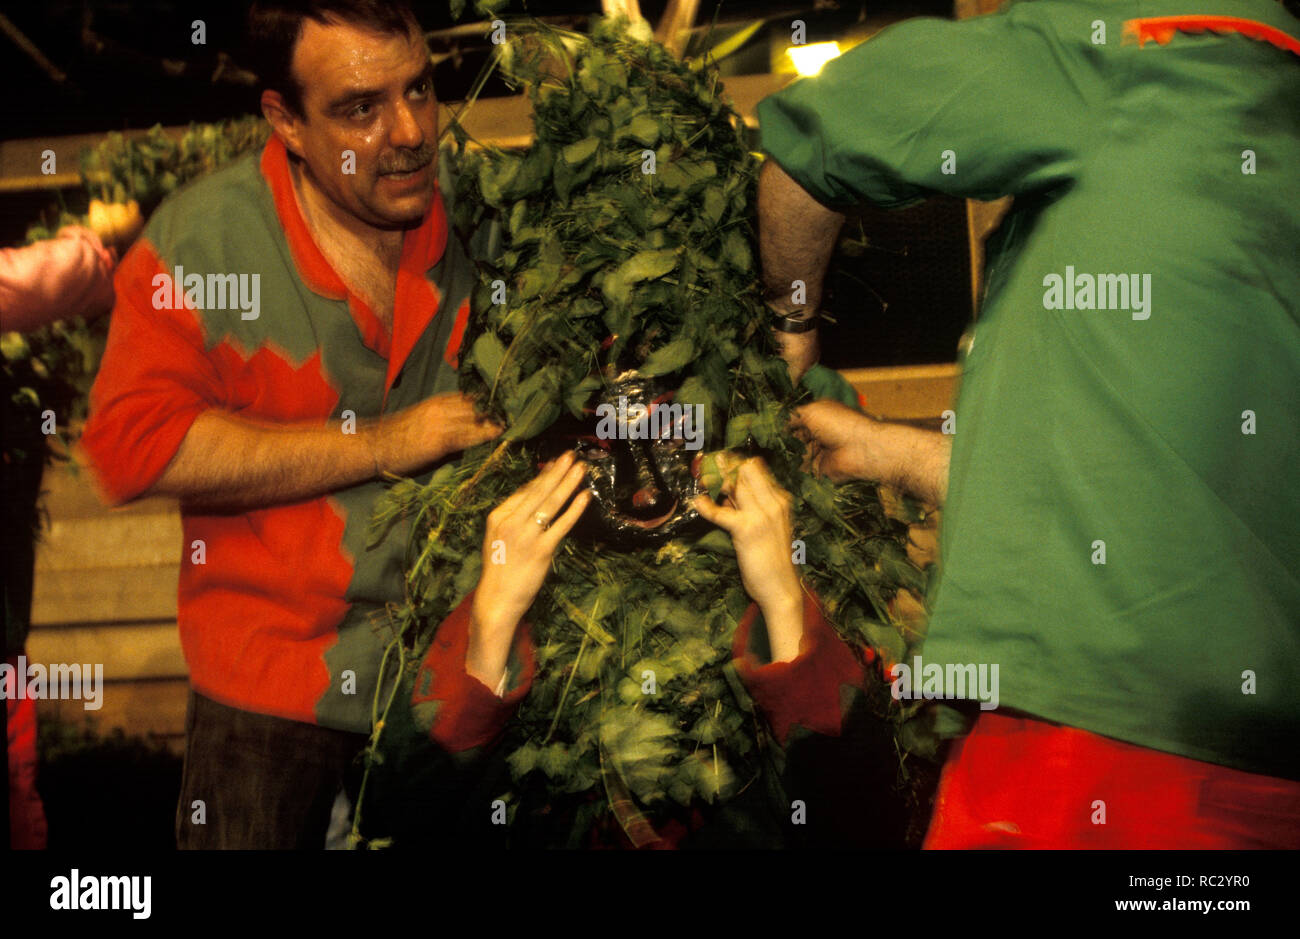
[796, 237]
[849, 445]
[231, 463]
[59, 278]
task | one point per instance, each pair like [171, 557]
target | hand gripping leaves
[625, 247]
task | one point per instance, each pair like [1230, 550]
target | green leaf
[738, 430]
[425, 713]
[715, 204]
[819, 496]
[578, 396]
[517, 215]
[524, 759]
[640, 743]
[577, 153]
[716, 541]
[668, 358]
[497, 177]
[537, 414]
[736, 252]
[643, 128]
[642, 266]
[488, 353]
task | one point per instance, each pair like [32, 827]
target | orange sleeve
[154, 380]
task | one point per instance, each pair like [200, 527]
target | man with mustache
[274, 429]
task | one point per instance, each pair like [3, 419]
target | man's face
[370, 93]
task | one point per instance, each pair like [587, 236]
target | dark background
[903, 297]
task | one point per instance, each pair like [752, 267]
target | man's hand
[231, 463]
[426, 432]
[520, 541]
[759, 521]
[849, 445]
[838, 439]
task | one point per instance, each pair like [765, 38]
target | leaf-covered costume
[622, 240]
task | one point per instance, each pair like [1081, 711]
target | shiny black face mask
[641, 488]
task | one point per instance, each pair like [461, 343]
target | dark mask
[642, 453]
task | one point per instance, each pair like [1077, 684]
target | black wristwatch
[800, 322]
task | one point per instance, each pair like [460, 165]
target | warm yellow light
[809, 59]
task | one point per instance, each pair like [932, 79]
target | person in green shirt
[1119, 537]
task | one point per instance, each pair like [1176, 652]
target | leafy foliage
[609, 267]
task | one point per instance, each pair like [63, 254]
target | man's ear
[283, 121]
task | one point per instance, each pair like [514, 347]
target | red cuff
[469, 712]
[806, 690]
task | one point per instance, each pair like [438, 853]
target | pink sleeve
[62, 277]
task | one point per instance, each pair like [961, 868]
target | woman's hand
[522, 535]
[759, 521]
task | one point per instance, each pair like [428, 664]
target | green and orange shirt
[278, 607]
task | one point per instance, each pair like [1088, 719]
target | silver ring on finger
[543, 520]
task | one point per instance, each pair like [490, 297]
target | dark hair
[275, 25]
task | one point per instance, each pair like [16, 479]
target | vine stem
[559, 708]
[377, 723]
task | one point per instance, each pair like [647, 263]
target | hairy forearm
[797, 236]
[229, 463]
[908, 458]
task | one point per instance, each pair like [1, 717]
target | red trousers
[26, 814]
[1016, 782]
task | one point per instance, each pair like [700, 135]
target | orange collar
[1162, 29]
[422, 248]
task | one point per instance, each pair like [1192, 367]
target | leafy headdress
[624, 233]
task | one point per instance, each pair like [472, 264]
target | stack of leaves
[626, 241]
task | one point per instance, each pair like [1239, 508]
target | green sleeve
[1004, 93]
[825, 382]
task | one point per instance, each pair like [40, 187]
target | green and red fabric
[1165, 436]
[281, 606]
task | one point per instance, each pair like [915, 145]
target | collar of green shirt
[422, 249]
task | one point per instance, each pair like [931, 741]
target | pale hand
[518, 546]
[762, 530]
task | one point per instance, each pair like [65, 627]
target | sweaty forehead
[338, 58]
